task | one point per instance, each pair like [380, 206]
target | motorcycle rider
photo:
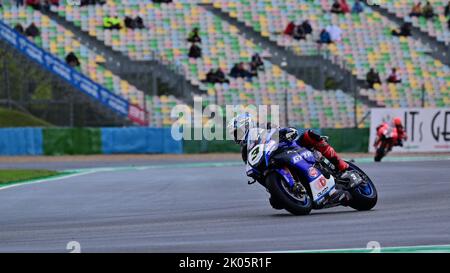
[241, 125]
[393, 130]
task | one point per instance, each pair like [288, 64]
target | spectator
[416, 10]
[92, 2]
[35, 4]
[54, 2]
[357, 7]
[336, 7]
[299, 33]
[324, 37]
[289, 30]
[72, 60]
[115, 22]
[1, 6]
[448, 23]
[253, 68]
[32, 31]
[239, 71]
[372, 78]
[235, 71]
[129, 22]
[162, 1]
[19, 3]
[111, 22]
[139, 22]
[307, 27]
[428, 11]
[335, 33]
[195, 51]
[405, 30]
[221, 76]
[46, 5]
[257, 61]
[344, 6]
[210, 77]
[447, 10]
[134, 23]
[216, 76]
[107, 22]
[394, 77]
[194, 36]
[19, 28]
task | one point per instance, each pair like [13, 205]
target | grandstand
[366, 42]
[437, 27]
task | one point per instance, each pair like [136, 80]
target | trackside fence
[138, 140]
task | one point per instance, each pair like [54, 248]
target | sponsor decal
[322, 192]
[296, 159]
[62, 70]
[8, 34]
[307, 154]
[312, 172]
[136, 114]
[322, 182]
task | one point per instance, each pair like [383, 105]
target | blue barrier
[21, 141]
[70, 75]
[139, 140]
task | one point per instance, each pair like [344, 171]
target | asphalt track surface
[212, 209]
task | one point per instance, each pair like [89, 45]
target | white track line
[389, 248]
[44, 180]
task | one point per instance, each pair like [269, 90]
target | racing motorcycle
[300, 180]
[382, 148]
[386, 140]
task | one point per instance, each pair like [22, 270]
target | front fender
[285, 174]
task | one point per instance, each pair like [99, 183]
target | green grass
[13, 118]
[12, 176]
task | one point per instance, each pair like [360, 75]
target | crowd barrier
[139, 140]
[21, 141]
[87, 141]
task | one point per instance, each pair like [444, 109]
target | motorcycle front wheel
[282, 194]
[380, 153]
[364, 196]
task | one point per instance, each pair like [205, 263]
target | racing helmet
[240, 126]
[397, 122]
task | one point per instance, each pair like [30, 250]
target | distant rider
[393, 131]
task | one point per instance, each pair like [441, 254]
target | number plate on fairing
[321, 186]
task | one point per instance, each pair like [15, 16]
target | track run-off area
[209, 207]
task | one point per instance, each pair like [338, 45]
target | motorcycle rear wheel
[281, 195]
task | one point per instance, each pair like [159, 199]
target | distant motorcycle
[388, 136]
[383, 146]
[300, 180]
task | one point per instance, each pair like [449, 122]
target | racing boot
[351, 178]
[311, 139]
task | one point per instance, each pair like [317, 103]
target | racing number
[255, 155]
